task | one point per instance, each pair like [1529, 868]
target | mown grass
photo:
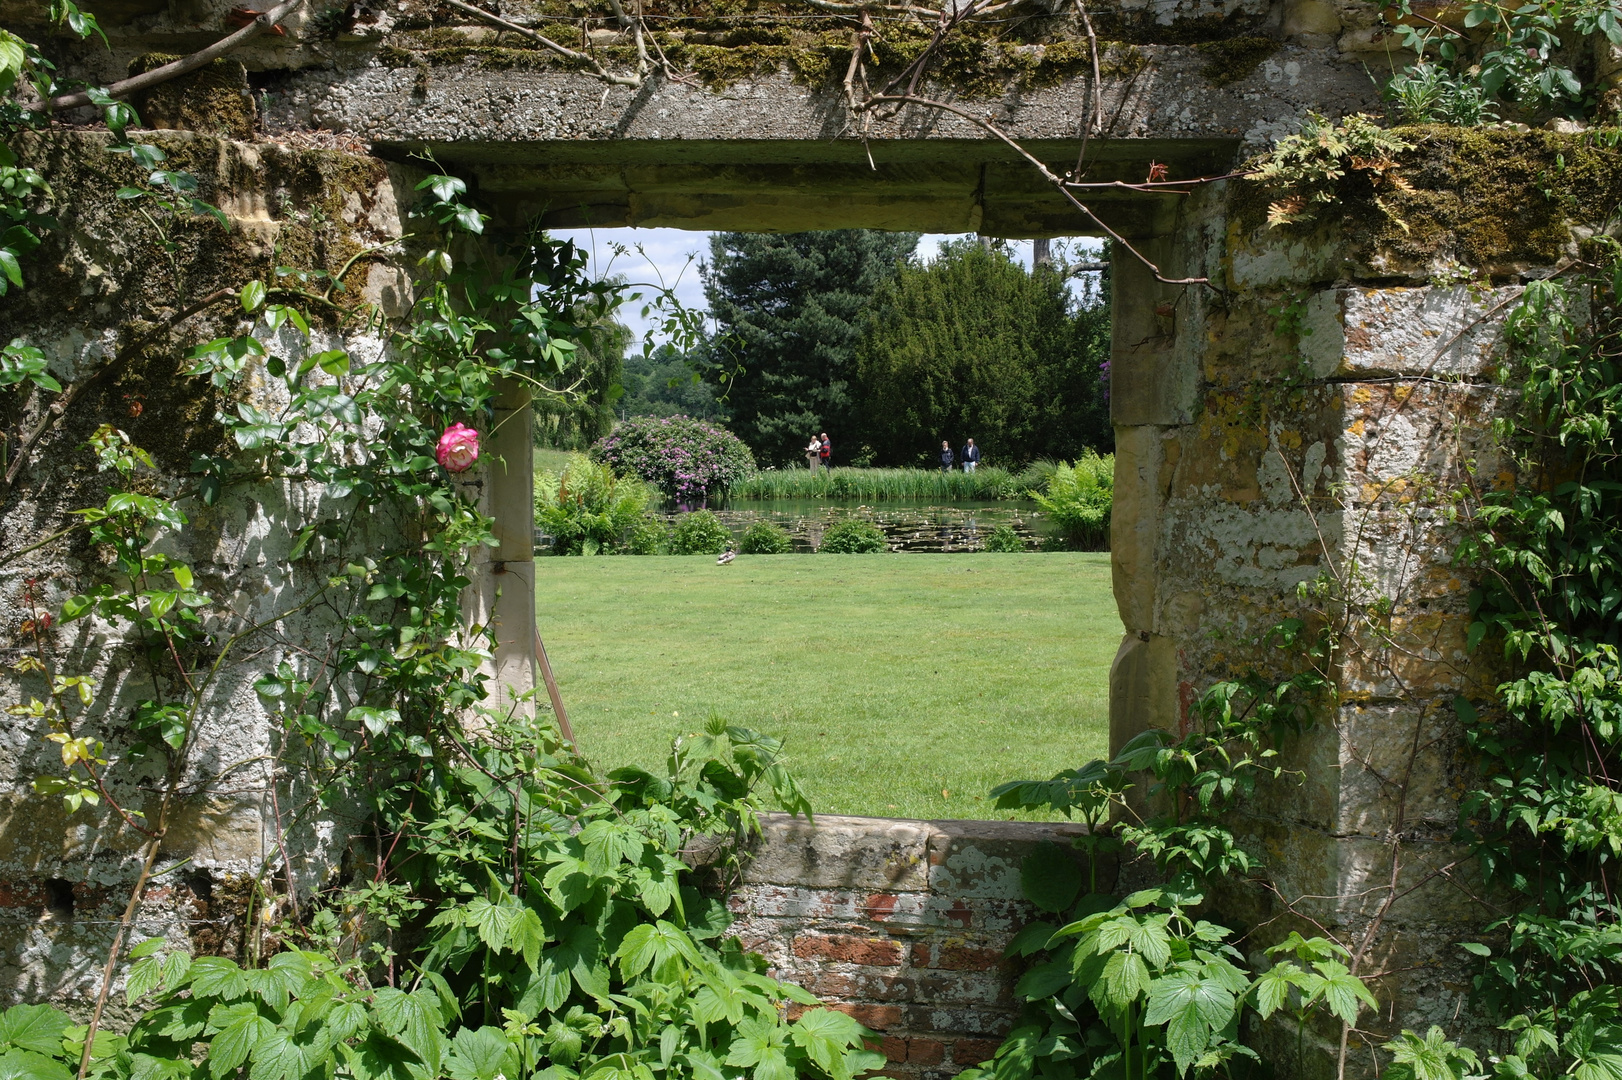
[881, 485]
[905, 685]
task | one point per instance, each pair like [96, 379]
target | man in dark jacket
[946, 456]
[971, 456]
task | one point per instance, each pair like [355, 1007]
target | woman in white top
[812, 451]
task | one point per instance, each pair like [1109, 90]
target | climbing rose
[458, 448]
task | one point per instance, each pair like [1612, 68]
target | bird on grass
[725, 557]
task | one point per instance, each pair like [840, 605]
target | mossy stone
[213, 100]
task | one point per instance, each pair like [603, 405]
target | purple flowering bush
[689, 460]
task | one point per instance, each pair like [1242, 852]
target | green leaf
[239, 1030]
[217, 977]
[252, 295]
[1193, 1009]
[481, 1054]
[1050, 877]
[825, 1035]
[33, 1027]
[27, 1065]
[1343, 992]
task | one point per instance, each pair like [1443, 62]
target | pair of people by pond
[970, 456]
[819, 451]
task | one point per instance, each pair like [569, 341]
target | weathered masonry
[1253, 451]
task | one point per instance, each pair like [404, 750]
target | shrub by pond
[699, 533]
[588, 510]
[764, 538]
[1004, 539]
[851, 537]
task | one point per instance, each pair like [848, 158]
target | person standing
[826, 453]
[971, 457]
[813, 453]
[947, 456]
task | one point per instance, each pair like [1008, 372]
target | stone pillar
[502, 595]
[1153, 388]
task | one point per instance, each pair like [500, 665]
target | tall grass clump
[879, 485]
[1078, 500]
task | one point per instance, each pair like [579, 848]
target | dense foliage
[788, 311]
[975, 346]
[698, 533]
[1004, 540]
[764, 538]
[583, 410]
[1078, 499]
[588, 510]
[689, 460]
[1546, 825]
[852, 537]
[665, 383]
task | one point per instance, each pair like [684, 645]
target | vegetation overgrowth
[698, 532]
[905, 685]
[588, 510]
[520, 914]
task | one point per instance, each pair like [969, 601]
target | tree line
[848, 332]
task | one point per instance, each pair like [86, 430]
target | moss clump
[1494, 200]
[1235, 58]
[213, 100]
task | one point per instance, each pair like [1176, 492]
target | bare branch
[596, 69]
[183, 66]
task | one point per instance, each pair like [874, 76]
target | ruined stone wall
[901, 924]
[1318, 410]
[100, 295]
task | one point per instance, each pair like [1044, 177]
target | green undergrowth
[880, 485]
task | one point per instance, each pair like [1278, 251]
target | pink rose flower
[458, 448]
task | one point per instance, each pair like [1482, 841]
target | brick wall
[901, 924]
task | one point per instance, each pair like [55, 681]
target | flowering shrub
[687, 459]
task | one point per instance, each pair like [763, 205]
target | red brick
[956, 957]
[893, 1049]
[966, 1052]
[925, 1051]
[958, 914]
[880, 906]
[877, 1017]
[849, 949]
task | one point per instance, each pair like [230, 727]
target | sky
[671, 256]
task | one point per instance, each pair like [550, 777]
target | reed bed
[881, 485]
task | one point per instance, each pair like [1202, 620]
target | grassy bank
[905, 685]
[881, 485]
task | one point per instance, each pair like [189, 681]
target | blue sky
[671, 256]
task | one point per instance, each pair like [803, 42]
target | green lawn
[905, 685]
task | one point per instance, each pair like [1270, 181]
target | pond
[907, 526]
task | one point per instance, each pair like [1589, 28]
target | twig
[552, 690]
[1047, 174]
[177, 68]
[1095, 115]
[545, 42]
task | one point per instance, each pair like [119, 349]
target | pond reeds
[881, 485]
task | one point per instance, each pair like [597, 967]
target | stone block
[1140, 454]
[1143, 688]
[1151, 380]
[848, 949]
[1431, 330]
[972, 860]
[877, 854]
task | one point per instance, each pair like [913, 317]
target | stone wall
[100, 295]
[901, 924]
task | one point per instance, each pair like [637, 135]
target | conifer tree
[788, 310]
